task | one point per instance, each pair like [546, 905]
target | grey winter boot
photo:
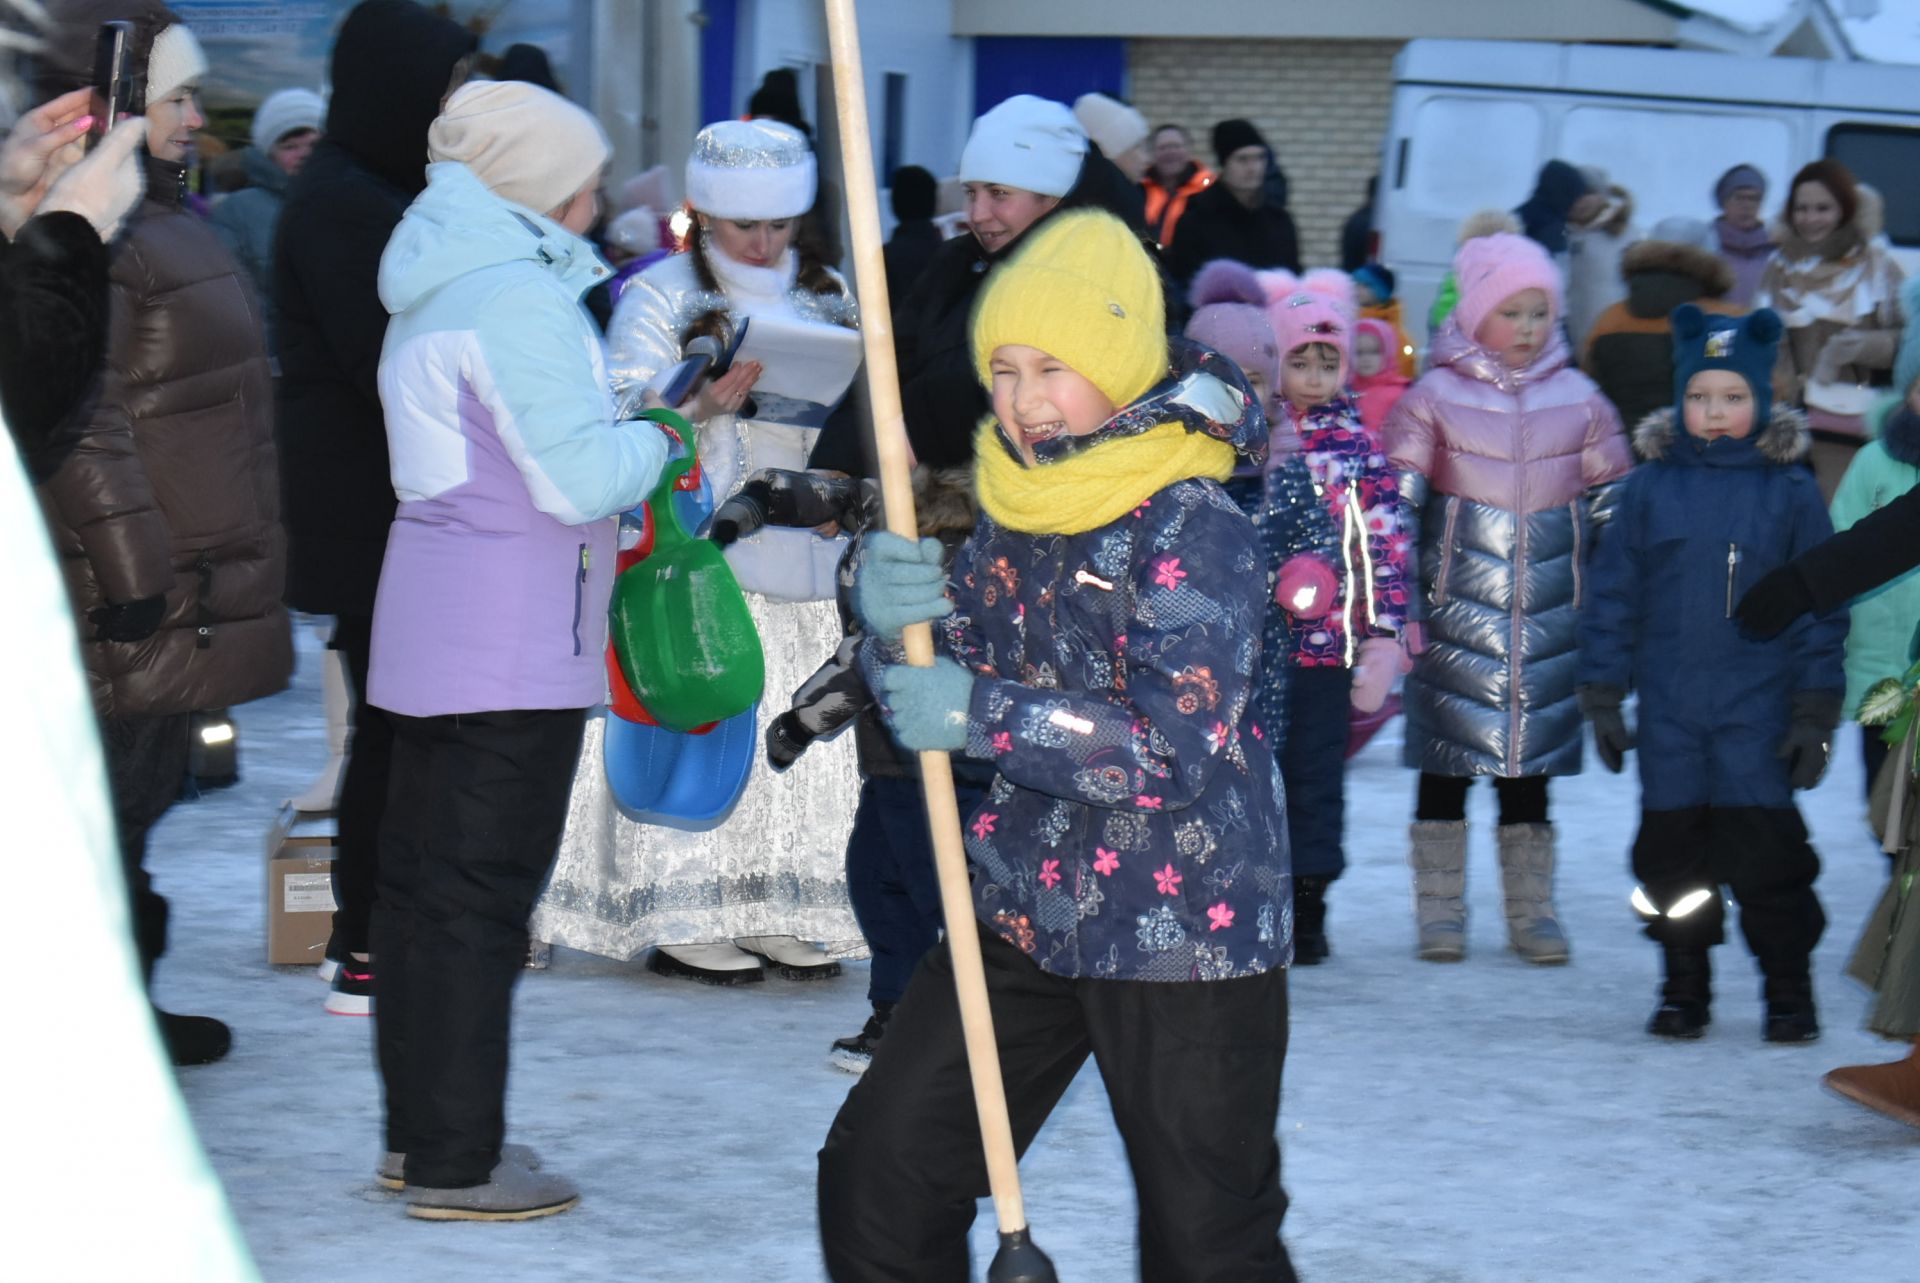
[1439, 858]
[1526, 873]
[391, 1174]
[514, 1192]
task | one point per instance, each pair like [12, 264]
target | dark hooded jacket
[1629, 350]
[170, 490]
[940, 388]
[1543, 215]
[1217, 225]
[391, 66]
[1136, 829]
[1697, 525]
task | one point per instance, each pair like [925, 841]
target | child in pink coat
[1378, 384]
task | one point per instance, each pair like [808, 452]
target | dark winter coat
[1217, 225]
[391, 66]
[1292, 520]
[53, 332]
[171, 488]
[909, 250]
[1543, 215]
[1136, 830]
[1695, 526]
[1629, 350]
[246, 222]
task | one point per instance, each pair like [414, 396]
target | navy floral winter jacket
[1136, 827]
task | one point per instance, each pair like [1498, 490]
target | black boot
[193, 1040]
[1310, 920]
[856, 1053]
[1790, 1012]
[1686, 995]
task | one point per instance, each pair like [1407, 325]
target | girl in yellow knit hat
[1100, 644]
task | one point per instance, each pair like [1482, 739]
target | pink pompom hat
[1315, 308]
[1492, 269]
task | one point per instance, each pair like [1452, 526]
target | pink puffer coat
[1511, 469]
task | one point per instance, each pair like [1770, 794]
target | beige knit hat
[175, 60]
[527, 144]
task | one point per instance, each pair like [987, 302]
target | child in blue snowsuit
[1729, 727]
[1099, 649]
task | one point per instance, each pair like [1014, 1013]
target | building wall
[1628, 20]
[1322, 105]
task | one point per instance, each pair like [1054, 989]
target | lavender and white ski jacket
[507, 460]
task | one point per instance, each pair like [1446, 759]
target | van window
[1668, 159]
[1472, 153]
[1886, 158]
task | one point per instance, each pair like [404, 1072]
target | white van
[1473, 121]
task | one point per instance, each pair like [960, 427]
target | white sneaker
[716, 964]
[793, 958]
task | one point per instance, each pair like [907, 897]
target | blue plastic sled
[681, 781]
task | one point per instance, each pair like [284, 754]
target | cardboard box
[300, 850]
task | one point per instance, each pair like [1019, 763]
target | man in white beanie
[489, 629]
[1119, 131]
[285, 129]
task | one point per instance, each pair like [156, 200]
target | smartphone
[112, 78]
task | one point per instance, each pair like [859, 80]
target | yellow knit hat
[1081, 288]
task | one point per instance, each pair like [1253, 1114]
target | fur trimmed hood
[1715, 277]
[1786, 439]
[943, 499]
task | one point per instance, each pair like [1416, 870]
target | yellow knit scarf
[1085, 491]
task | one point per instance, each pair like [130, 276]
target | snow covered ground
[1468, 1124]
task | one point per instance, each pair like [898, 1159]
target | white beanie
[527, 144]
[1116, 127]
[1026, 142]
[637, 231]
[284, 113]
[175, 60]
[751, 169]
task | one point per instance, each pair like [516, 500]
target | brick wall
[1322, 104]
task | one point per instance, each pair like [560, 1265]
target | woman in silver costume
[769, 883]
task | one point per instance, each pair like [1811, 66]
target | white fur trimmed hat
[751, 169]
[1031, 143]
[527, 144]
[175, 60]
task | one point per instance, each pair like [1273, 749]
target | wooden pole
[896, 485]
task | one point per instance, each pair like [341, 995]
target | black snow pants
[146, 765]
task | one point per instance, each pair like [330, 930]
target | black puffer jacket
[171, 488]
[391, 67]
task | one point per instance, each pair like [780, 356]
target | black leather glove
[128, 621]
[1809, 741]
[787, 739]
[1781, 596]
[1611, 738]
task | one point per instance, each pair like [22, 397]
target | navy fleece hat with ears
[1747, 345]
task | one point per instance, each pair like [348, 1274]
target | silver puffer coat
[1511, 469]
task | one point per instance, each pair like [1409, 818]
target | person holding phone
[166, 515]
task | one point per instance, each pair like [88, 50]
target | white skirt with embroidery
[775, 866]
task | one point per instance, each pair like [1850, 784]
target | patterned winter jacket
[1136, 829]
[1518, 463]
[1362, 497]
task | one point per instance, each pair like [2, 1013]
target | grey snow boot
[514, 1192]
[1526, 874]
[1439, 858]
[391, 1174]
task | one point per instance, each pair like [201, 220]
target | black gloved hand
[1781, 596]
[787, 739]
[1809, 741]
[744, 514]
[1611, 738]
[128, 621]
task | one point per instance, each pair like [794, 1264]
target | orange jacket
[1165, 207]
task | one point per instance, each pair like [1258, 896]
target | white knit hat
[1117, 127]
[527, 144]
[1026, 142]
[175, 60]
[284, 113]
[751, 169]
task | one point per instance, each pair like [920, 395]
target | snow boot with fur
[1438, 854]
[1526, 876]
[1893, 1090]
[1686, 996]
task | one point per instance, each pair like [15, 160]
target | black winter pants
[1523, 798]
[1759, 853]
[478, 804]
[1313, 762]
[891, 882]
[1193, 1074]
[363, 791]
[146, 765]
